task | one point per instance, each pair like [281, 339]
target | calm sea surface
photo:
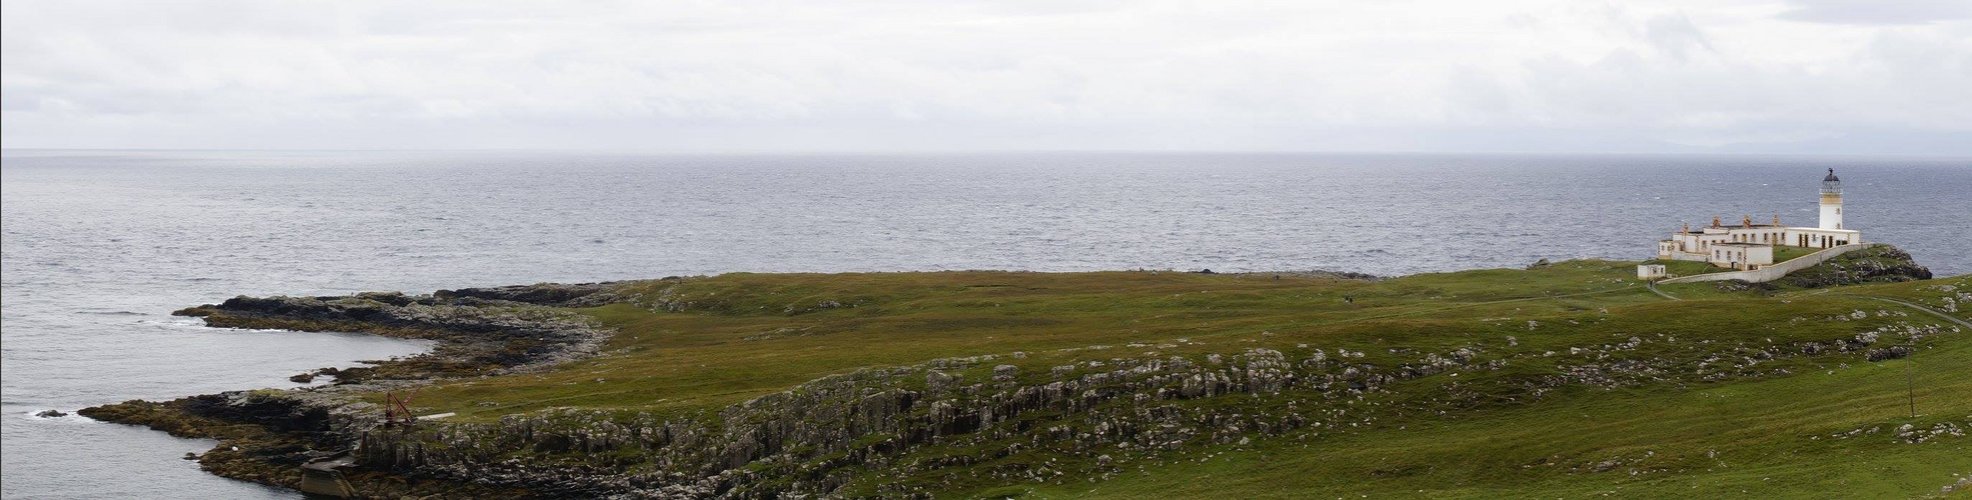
[99, 246]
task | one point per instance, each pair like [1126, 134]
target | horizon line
[1003, 151]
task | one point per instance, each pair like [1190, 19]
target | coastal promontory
[1564, 379]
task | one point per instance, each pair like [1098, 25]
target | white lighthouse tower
[1831, 201]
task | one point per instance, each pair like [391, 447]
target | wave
[113, 313]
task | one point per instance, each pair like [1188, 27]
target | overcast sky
[1789, 76]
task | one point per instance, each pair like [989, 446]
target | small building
[1651, 272]
[1731, 245]
[1742, 256]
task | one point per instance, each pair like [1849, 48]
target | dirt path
[1927, 310]
[1660, 293]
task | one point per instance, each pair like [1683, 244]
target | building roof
[1831, 176]
[1739, 244]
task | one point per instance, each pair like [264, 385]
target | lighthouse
[1831, 201]
[1748, 246]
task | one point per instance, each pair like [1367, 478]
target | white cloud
[1878, 11]
[897, 75]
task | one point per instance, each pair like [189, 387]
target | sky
[1570, 76]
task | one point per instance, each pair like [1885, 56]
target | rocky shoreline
[479, 332]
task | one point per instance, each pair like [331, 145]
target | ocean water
[99, 246]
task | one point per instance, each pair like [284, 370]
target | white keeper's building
[1749, 246]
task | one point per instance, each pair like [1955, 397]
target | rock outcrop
[546, 294]
[483, 331]
[1876, 264]
[265, 435]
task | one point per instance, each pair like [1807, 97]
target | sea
[101, 245]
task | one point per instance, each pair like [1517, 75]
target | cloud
[1868, 12]
[899, 75]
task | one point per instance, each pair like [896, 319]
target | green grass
[1687, 268]
[696, 345]
[1784, 253]
[738, 339]
[1757, 439]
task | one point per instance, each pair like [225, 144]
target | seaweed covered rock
[1876, 264]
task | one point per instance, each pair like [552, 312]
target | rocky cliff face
[960, 414]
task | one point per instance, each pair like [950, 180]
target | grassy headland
[1566, 379]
